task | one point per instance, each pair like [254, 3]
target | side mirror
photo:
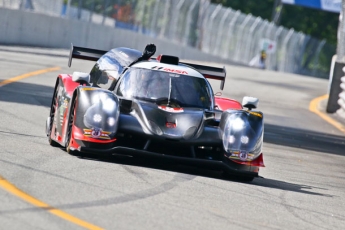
[149, 51]
[250, 102]
[81, 77]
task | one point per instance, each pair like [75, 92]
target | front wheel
[70, 124]
[50, 120]
[239, 178]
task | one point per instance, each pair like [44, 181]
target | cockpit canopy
[175, 90]
[109, 67]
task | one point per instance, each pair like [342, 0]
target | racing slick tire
[238, 177]
[69, 128]
[53, 108]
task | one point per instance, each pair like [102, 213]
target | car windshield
[176, 90]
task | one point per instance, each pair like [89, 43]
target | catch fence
[209, 27]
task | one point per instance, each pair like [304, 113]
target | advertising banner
[327, 5]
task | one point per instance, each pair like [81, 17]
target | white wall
[34, 29]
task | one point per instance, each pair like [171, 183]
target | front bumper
[226, 165]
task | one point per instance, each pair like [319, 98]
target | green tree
[317, 23]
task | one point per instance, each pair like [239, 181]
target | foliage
[317, 23]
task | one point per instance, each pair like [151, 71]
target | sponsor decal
[241, 155]
[172, 110]
[97, 133]
[170, 70]
[175, 71]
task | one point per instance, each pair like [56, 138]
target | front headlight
[242, 137]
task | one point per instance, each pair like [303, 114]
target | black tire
[69, 128]
[238, 178]
[53, 108]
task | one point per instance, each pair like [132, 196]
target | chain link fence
[198, 23]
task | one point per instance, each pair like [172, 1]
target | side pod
[242, 134]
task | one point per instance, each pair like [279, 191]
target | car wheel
[69, 128]
[53, 108]
[238, 177]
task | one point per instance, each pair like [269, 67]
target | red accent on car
[159, 58]
[170, 109]
[79, 135]
[259, 161]
[69, 84]
[224, 103]
[170, 125]
[74, 144]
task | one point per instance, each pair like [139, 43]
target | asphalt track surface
[41, 187]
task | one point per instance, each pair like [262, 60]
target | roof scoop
[168, 59]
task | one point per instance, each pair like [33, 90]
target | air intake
[168, 59]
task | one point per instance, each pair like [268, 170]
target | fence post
[174, 19]
[230, 33]
[189, 18]
[165, 19]
[153, 23]
[210, 25]
[240, 40]
[284, 46]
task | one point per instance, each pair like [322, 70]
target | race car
[135, 105]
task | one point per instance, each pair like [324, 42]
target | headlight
[238, 124]
[244, 140]
[111, 121]
[97, 117]
[242, 137]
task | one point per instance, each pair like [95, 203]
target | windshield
[176, 90]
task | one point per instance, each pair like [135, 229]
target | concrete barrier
[34, 29]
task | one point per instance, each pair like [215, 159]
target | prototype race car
[133, 104]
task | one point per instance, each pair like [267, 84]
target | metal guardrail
[209, 27]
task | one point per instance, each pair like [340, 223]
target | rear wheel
[53, 108]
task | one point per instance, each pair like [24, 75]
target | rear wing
[94, 54]
[210, 72]
[84, 53]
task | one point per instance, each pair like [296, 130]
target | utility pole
[276, 12]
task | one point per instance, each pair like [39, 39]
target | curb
[318, 106]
